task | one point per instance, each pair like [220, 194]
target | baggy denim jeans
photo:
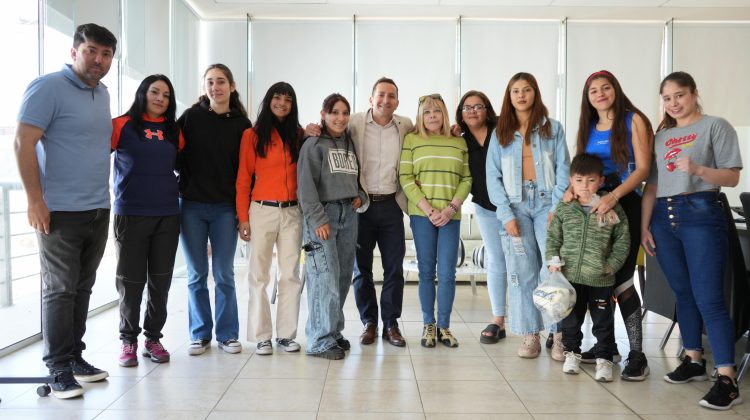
[690, 233]
[329, 266]
[200, 223]
[524, 259]
[497, 276]
[436, 247]
[69, 256]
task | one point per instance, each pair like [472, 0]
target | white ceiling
[520, 9]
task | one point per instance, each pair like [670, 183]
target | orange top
[275, 175]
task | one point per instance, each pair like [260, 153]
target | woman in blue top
[527, 174]
[613, 129]
[145, 142]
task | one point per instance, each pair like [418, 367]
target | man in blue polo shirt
[62, 146]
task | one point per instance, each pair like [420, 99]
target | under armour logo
[149, 134]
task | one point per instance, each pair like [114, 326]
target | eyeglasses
[435, 96]
[477, 107]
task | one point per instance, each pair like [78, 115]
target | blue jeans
[69, 256]
[690, 233]
[436, 246]
[329, 265]
[524, 259]
[200, 223]
[497, 276]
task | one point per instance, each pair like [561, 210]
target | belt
[282, 204]
[382, 197]
[342, 201]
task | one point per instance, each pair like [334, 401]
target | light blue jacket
[551, 161]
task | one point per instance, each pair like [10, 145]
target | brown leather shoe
[369, 333]
[393, 335]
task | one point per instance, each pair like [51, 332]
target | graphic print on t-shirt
[675, 146]
[342, 161]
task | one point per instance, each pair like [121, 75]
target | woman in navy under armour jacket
[145, 141]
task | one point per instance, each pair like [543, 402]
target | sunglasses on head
[435, 96]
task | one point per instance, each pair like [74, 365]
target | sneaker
[128, 355]
[445, 336]
[231, 346]
[572, 363]
[198, 347]
[344, 343]
[264, 348]
[65, 385]
[687, 371]
[558, 351]
[334, 353]
[530, 347]
[287, 344]
[723, 395]
[589, 357]
[603, 370]
[636, 367]
[155, 350]
[85, 372]
[428, 336]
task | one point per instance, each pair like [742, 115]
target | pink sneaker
[156, 352]
[128, 355]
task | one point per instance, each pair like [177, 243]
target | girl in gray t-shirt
[695, 155]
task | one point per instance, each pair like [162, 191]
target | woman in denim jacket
[527, 174]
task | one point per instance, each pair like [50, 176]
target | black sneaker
[344, 343]
[687, 371]
[334, 353]
[723, 395]
[636, 367]
[85, 372]
[589, 357]
[65, 385]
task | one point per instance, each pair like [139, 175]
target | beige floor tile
[372, 367]
[379, 348]
[234, 415]
[466, 348]
[487, 397]
[370, 416]
[445, 367]
[707, 415]
[579, 416]
[475, 315]
[57, 414]
[168, 394]
[153, 415]
[296, 366]
[272, 395]
[459, 416]
[514, 368]
[569, 397]
[371, 396]
[214, 363]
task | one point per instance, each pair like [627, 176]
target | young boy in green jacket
[592, 247]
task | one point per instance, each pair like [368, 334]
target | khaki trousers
[281, 227]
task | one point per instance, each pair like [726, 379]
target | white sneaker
[231, 346]
[572, 363]
[558, 351]
[287, 344]
[603, 370]
[198, 347]
[264, 348]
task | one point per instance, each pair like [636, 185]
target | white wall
[226, 42]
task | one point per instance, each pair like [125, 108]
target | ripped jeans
[524, 257]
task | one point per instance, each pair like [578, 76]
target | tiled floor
[379, 381]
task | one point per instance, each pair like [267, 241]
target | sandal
[495, 334]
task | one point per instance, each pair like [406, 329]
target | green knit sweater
[592, 254]
[436, 168]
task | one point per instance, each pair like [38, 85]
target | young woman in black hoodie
[212, 128]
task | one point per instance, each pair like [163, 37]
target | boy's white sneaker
[572, 363]
[603, 370]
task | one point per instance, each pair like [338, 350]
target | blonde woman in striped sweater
[434, 173]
